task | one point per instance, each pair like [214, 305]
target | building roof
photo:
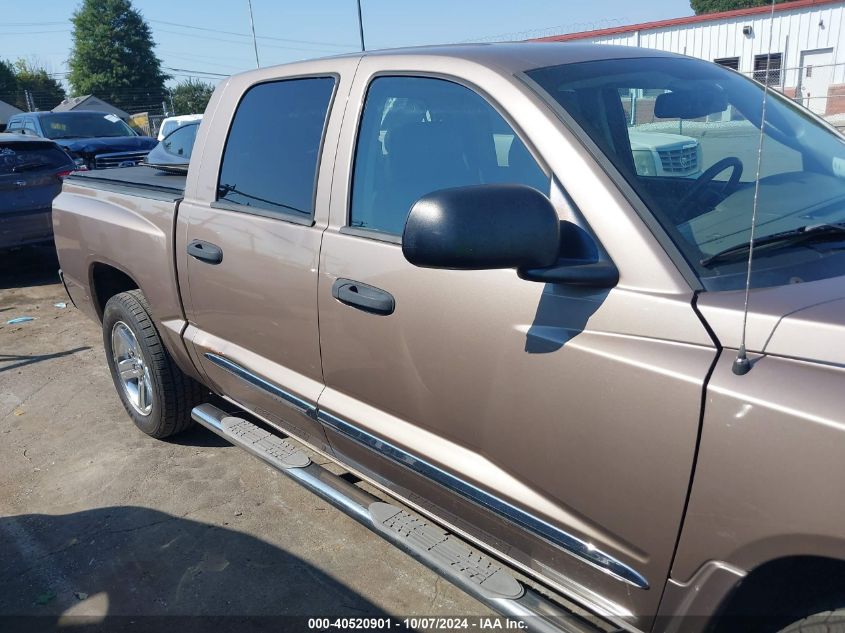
[7, 110]
[87, 101]
[692, 19]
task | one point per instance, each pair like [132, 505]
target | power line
[260, 37]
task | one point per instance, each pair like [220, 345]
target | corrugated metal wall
[794, 31]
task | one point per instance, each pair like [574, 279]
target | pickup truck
[440, 268]
[95, 140]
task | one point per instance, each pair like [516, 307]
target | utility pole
[361, 27]
[254, 41]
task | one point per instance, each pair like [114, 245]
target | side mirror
[482, 227]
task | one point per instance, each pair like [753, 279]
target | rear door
[532, 416]
[249, 242]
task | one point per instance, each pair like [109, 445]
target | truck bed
[146, 182]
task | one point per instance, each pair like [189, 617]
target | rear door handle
[205, 252]
[363, 297]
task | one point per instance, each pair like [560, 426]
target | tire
[156, 394]
[825, 622]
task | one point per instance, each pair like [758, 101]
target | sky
[209, 39]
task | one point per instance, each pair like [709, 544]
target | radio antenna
[742, 365]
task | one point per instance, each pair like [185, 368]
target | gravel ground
[97, 519]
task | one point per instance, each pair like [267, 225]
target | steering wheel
[709, 174]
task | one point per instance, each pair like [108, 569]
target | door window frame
[281, 215]
[379, 236]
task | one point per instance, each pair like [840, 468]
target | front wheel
[826, 622]
[156, 394]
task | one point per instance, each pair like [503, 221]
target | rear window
[20, 157]
[273, 150]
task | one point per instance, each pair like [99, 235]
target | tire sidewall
[117, 309]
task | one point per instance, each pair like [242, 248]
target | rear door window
[419, 135]
[272, 154]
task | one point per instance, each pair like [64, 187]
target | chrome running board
[482, 577]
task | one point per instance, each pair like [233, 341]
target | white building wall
[793, 31]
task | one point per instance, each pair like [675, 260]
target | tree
[46, 92]
[113, 56]
[8, 83]
[191, 96]
[712, 6]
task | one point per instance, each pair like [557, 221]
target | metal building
[806, 58]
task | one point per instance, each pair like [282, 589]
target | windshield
[685, 134]
[84, 125]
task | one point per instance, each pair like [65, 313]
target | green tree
[46, 92]
[713, 6]
[8, 83]
[113, 57]
[191, 96]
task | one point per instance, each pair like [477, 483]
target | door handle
[363, 297]
[205, 252]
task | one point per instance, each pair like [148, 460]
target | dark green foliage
[113, 57]
[21, 76]
[191, 96]
[46, 92]
[713, 6]
[8, 83]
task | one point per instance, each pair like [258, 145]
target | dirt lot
[98, 519]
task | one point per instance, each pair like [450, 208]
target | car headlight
[644, 162]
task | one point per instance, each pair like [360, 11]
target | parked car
[31, 172]
[96, 140]
[441, 268]
[173, 154]
[168, 124]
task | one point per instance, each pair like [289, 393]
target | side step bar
[446, 554]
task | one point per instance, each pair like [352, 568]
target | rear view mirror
[482, 227]
[690, 104]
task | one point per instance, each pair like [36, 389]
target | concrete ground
[98, 519]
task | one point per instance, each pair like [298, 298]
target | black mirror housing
[482, 227]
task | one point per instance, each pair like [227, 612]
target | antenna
[742, 365]
[252, 27]
[361, 27]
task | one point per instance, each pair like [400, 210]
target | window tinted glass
[16, 158]
[84, 125]
[181, 141]
[419, 135]
[271, 156]
[15, 125]
[686, 134]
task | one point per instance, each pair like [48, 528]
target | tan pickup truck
[445, 269]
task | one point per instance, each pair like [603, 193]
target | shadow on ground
[29, 266]
[145, 570]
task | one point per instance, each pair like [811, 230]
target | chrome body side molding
[257, 381]
[567, 542]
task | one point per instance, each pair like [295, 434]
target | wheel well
[106, 282]
[782, 591]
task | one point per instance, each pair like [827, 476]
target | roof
[70, 104]
[692, 19]
[9, 137]
[511, 57]
[7, 110]
[74, 102]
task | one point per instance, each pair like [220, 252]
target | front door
[249, 255]
[556, 423]
[816, 77]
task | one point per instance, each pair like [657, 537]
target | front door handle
[205, 252]
[363, 297]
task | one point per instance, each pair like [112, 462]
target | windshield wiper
[66, 136]
[816, 233]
